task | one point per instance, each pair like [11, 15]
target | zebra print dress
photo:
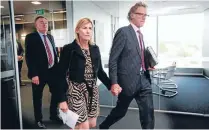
[78, 95]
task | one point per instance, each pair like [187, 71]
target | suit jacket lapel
[52, 43]
[77, 48]
[41, 46]
[40, 42]
[94, 55]
[133, 34]
[39, 38]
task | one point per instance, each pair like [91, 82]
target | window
[180, 39]
[150, 32]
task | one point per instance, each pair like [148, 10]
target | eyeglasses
[141, 14]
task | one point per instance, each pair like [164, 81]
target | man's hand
[151, 68]
[63, 106]
[115, 89]
[35, 80]
[20, 58]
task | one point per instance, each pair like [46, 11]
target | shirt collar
[41, 34]
[136, 29]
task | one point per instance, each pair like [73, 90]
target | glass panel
[9, 92]
[7, 61]
[60, 28]
[150, 38]
[150, 32]
[182, 44]
[189, 46]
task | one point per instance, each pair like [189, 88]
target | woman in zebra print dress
[78, 94]
[83, 62]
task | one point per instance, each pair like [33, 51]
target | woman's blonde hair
[80, 23]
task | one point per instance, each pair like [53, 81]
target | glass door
[10, 101]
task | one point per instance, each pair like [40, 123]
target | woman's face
[85, 32]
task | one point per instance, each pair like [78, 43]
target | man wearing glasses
[129, 70]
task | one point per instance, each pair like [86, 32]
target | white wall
[103, 19]
[205, 47]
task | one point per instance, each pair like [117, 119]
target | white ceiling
[26, 7]
[116, 8]
[165, 7]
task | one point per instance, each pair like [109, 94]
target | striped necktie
[142, 49]
[50, 59]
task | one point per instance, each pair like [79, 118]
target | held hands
[115, 89]
[63, 106]
[35, 80]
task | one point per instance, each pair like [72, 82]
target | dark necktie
[142, 49]
[50, 60]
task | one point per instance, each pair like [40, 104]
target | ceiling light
[174, 7]
[23, 35]
[20, 15]
[1, 6]
[36, 2]
[166, 10]
[18, 19]
[62, 11]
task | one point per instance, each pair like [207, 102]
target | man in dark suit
[20, 53]
[128, 69]
[41, 59]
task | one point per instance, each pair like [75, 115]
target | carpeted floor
[193, 97]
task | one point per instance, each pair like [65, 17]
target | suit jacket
[36, 55]
[20, 50]
[125, 60]
[73, 60]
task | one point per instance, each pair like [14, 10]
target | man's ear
[132, 15]
[35, 25]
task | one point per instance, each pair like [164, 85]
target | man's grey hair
[135, 7]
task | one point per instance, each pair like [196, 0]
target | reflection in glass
[186, 34]
[6, 45]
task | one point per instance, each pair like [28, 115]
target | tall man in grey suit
[129, 70]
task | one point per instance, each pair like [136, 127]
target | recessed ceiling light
[36, 2]
[18, 19]
[166, 10]
[1, 6]
[62, 11]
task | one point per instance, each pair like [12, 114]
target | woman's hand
[63, 106]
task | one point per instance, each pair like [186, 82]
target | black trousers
[19, 69]
[144, 99]
[37, 91]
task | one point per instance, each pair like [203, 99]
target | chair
[163, 77]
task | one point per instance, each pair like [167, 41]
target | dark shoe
[56, 119]
[40, 125]
[102, 127]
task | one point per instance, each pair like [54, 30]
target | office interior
[176, 30]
